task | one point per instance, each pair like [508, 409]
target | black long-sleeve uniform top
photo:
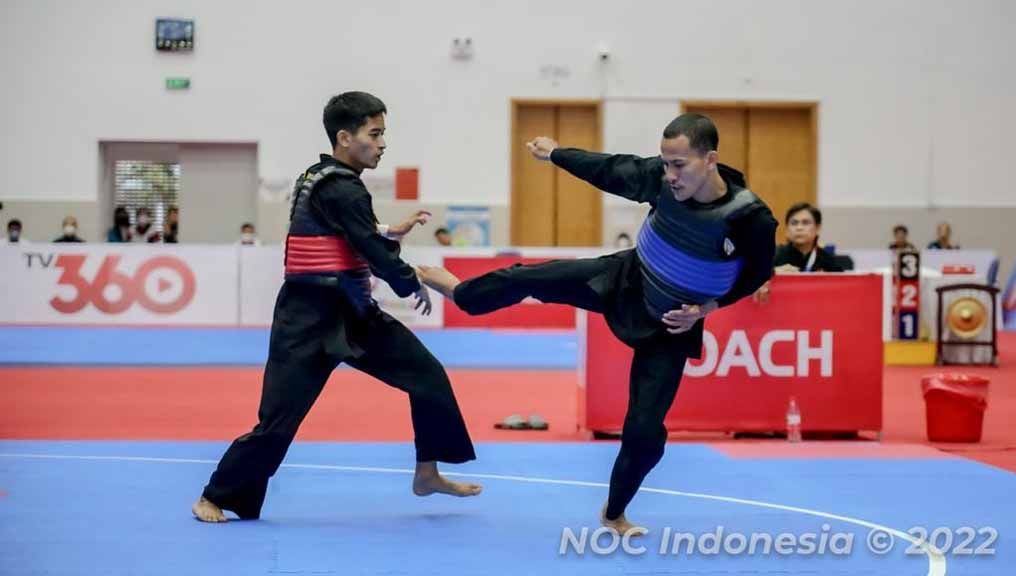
[641, 180]
[345, 205]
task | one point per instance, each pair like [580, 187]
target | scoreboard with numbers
[907, 291]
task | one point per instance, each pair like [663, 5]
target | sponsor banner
[530, 313]
[261, 276]
[817, 339]
[119, 284]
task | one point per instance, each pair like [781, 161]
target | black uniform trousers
[609, 285]
[313, 329]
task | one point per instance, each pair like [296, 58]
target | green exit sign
[177, 83]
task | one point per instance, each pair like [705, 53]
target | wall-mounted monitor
[174, 35]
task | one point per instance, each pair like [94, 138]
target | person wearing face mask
[144, 230]
[70, 231]
[248, 235]
[13, 233]
[121, 230]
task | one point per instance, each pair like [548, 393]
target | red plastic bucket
[954, 406]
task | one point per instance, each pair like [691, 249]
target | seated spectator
[248, 235]
[900, 241]
[144, 229]
[801, 253]
[121, 230]
[623, 241]
[943, 232]
[443, 236]
[13, 232]
[172, 226]
[70, 231]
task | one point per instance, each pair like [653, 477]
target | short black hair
[815, 212]
[349, 111]
[247, 225]
[441, 230]
[901, 228]
[13, 222]
[699, 129]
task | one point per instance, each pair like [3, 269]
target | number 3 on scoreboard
[909, 265]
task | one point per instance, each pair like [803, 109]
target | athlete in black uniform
[325, 315]
[707, 242]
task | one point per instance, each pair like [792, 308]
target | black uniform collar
[329, 159]
[734, 180]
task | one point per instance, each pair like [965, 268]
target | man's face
[900, 236]
[368, 144]
[943, 231]
[685, 169]
[444, 238]
[801, 229]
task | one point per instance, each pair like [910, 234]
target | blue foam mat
[122, 508]
[105, 346]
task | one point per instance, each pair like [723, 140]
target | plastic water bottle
[793, 421]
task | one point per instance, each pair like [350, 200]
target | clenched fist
[541, 147]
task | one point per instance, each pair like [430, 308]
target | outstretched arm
[630, 177]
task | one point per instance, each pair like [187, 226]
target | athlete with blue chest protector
[707, 242]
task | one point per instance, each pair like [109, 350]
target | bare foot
[429, 481]
[621, 525]
[205, 511]
[439, 279]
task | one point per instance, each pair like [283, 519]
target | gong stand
[966, 317]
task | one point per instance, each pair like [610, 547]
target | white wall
[912, 92]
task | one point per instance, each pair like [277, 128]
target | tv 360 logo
[167, 271]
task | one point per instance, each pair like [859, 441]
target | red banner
[531, 314]
[819, 339]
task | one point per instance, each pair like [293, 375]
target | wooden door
[773, 144]
[550, 207]
[781, 157]
[579, 205]
[533, 182]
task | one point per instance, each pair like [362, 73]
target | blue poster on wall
[469, 225]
